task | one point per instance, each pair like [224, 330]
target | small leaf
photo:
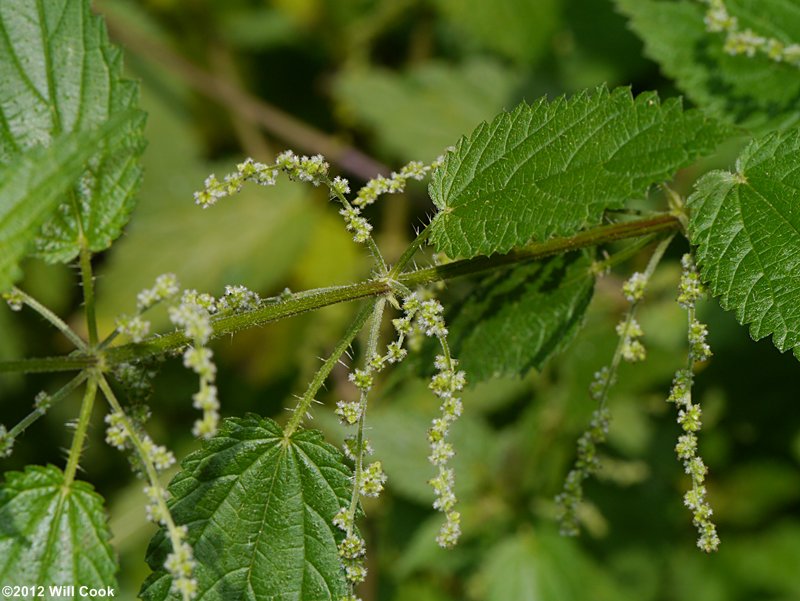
[52, 535]
[554, 167]
[259, 510]
[33, 182]
[754, 91]
[746, 226]
[515, 319]
[60, 74]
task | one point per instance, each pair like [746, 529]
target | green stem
[371, 351]
[325, 370]
[88, 294]
[655, 259]
[409, 253]
[316, 299]
[630, 251]
[80, 431]
[373, 247]
[310, 301]
[54, 319]
[62, 393]
[48, 364]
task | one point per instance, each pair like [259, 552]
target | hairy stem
[325, 370]
[80, 431]
[409, 253]
[316, 299]
[655, 259]
[54, 319]
[48, 364]
[371, 351]
[88, 294]
[34, 415]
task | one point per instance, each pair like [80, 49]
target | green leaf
[544, 566]
[416, 115]
[553, 167]
[50, 534]
[746, 226]
[515, 319]
[259, 511]
[32, 183]
[60, 74]
[754, 91]
[518, 29]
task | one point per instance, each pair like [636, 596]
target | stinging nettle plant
[531, 201]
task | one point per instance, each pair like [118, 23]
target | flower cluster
[118, 435]
[237, 299]
[629, 348]
[690, 413]
[247, 171]
[165, 288]
[14, 298]
[393, 184]
[180, 565]
[744, 41]
[133, 326]
[123, 434]
[629, 332]
[587, 464]
[6, 442]
[314, 169]
[193, 314]
[427, 316]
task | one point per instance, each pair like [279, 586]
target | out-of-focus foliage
[403, 80]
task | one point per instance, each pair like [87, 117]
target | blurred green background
[402, 80]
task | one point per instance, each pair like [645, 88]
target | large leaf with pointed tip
[515, 319]
[259, 511]
[754, 91]
[550, 168]
[60, 74]
[746, 226]
[50, 534]
[33, 182]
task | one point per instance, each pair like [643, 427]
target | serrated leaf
[754, 91]
[33, 182]
[60, 74]
[50, 534]
[551, 168]
[259, 511]
[416, 114]
[517, 29]
[746, 226]
[515, 319]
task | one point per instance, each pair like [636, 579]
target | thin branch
[325, 370]
[88, 294]
[316, 299]
[54, 319]
[244, 104]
